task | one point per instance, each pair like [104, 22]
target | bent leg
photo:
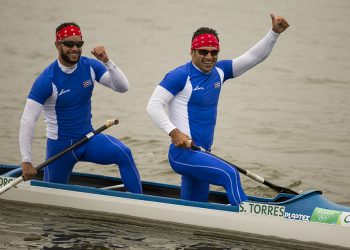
[193, 189]
[59, 170]
[207, 168]
[105, 149]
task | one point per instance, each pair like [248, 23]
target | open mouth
[208, 64]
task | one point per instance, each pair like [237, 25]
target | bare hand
[279, 24]
[180, 139]
[28, 171]
[100, 53]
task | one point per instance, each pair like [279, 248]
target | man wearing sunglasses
[63, 91]
[191, 93]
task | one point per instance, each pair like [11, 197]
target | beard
[66, 58]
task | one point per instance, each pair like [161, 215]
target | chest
[205, 89]
[73, 88]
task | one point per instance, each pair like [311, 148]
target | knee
[231, 177]
[126, 149]
[124, 153]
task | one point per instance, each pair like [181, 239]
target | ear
[192, 53]
[56, 44]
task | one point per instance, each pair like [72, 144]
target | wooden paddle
[87, 137]
[250, 174]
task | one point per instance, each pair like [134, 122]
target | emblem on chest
[87, 83]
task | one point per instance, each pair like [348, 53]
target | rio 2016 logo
[345, 219]
[5, 180]
[331, 217]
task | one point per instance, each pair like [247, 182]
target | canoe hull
[214, 216]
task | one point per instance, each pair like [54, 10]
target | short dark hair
[65, 25]
[205, 30]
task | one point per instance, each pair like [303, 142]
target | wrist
[109, 64]
[274, 32]
[173, 132]
[106, 60]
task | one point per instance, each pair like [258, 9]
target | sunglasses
[204, 52]
[71, 44]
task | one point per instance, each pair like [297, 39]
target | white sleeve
[258, 53]
[156, 109]
[114, 78]
[30, 115]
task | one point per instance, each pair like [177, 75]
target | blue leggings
[101, 149]
[199, 169]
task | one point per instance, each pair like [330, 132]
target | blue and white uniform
[64, 94]
[191, 97]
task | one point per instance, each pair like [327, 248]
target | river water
[288, 119]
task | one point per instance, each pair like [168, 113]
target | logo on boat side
[330, 216]
[5, 180]
[293, 216]
[345, 219]
[261, 209]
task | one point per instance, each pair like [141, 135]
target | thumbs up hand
[279, 24]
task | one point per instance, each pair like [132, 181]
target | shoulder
[96, 67]
[175, 80]
[224, 64]
[90, 62]
[48, 74]
[42, 87]
[225, 67]
[178, 74]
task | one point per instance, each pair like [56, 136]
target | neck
[66, 64]
[65, 68]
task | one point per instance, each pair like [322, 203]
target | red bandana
[205, 40]
[67, 31]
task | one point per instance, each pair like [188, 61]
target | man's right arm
[156, 110]
[30, 115]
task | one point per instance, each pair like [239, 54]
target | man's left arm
[260, 51]
[113, 78]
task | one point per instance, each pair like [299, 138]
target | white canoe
[307, 217]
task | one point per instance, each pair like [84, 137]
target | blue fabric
[202, 98]
[100, 149]
[194, 112]
[68, 96]
[199, 169]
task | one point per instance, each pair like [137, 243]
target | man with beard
[63, 91]
[191, 94]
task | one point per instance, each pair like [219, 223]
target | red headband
[205, 40]
[67, 31]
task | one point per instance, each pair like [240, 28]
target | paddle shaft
[251, 175]
[87, 137]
